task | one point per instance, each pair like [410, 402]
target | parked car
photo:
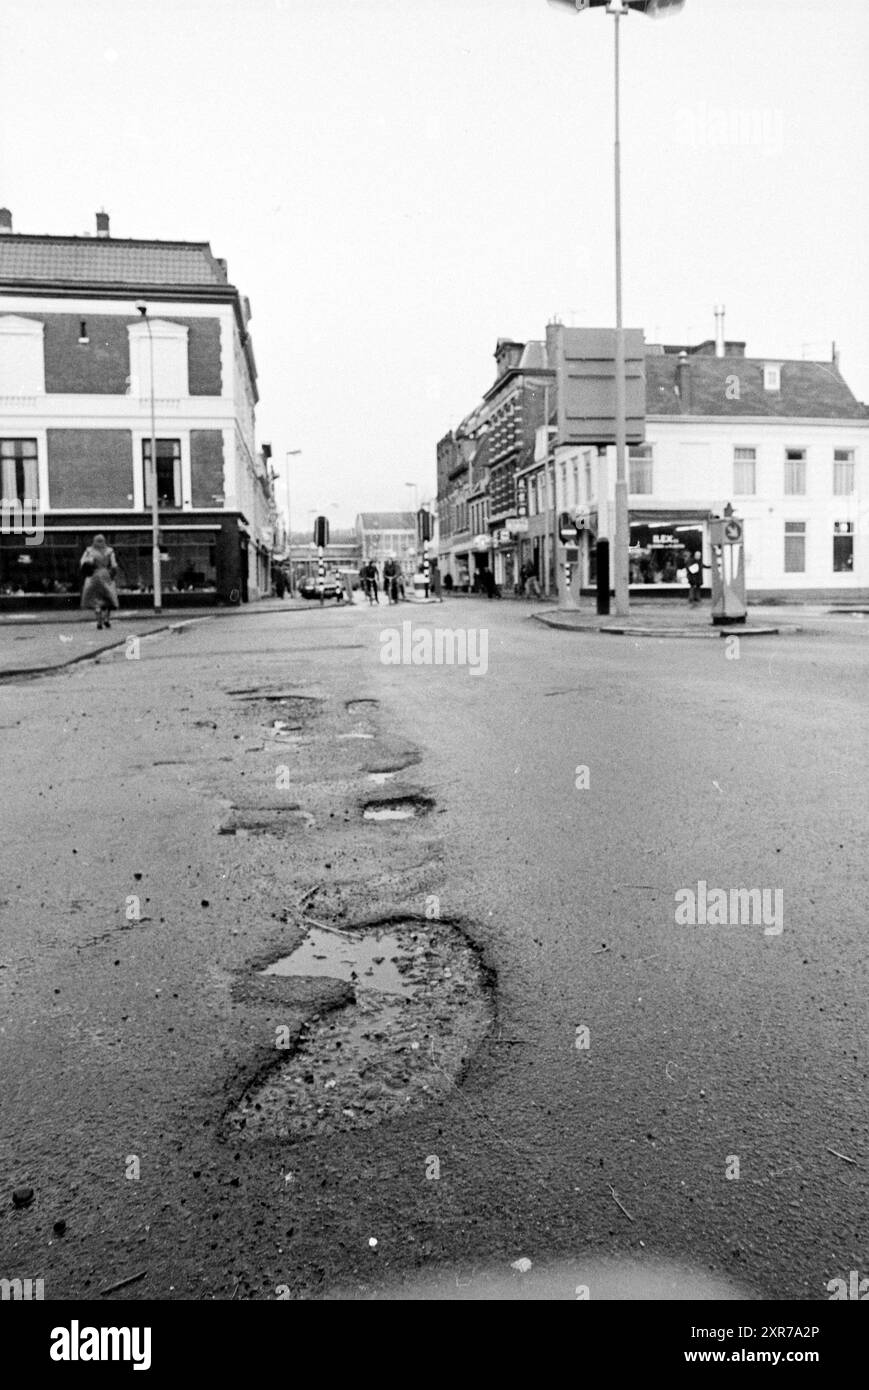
[332, 588]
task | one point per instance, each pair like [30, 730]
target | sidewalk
[669, 620]
[31, 643]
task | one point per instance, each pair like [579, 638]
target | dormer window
[771, 376]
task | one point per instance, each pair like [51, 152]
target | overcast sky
[397, 183]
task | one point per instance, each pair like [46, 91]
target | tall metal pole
[155, 502]
[290, 453]
[622, 530]
[552, 566]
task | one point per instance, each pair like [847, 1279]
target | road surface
[629, 1093]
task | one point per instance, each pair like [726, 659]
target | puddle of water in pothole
[387, 1050]
[355, 735]
[404, 812]
[380, 777]
[369, 962]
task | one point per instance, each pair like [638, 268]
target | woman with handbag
[99, 565]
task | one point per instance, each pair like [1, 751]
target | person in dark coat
[695, 576]
[99, 565]
[390, 578]
[371, 582]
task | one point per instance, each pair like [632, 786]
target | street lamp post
[155, 501]
[622, 537]
[290, 454]
[619, 9]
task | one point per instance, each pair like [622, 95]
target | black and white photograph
[434, 599]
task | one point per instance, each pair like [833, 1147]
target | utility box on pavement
[728, 570]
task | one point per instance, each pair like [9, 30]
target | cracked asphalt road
[127, 1041]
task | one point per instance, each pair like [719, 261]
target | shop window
[843, 547]
[168, 472]
[843, 472]
[660, 554]
[745, 472]
[19, 472]
[795, 547]
[640, 467]
[795, 472]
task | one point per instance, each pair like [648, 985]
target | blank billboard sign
[586, 376]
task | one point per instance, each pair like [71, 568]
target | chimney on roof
[719, 330]
[102, 224]
[682, 378]
[834, 355]
[5, 220]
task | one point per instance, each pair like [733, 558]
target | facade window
[772, 377]
[843, 472]
[745, 472]
[843, 547]
[576, 482]
[168, 472]
[19, 471]
[640, 466]
[563, 501]
[22, 361]
[795, 472]
[795, 547]
[588, 492]
[170, 360]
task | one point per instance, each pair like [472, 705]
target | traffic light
[321, 531]
[423, 524]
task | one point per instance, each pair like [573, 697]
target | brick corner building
[75, 420]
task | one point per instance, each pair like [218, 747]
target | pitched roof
[70, 260]
[387, 521]
[809, 389]
[533, 357]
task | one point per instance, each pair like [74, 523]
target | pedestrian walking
[99, 566]
[435, 575]
[390, 578]
[372, 587]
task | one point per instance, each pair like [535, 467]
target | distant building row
[784, 442]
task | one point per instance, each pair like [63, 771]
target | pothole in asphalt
[379, 778]
[266, 820]
[397, 808]
[423, 1000]
[361, 706]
